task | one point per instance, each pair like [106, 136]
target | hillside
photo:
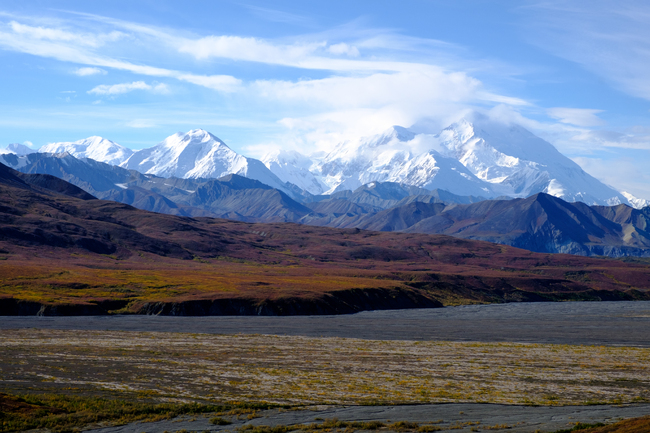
[60, 254]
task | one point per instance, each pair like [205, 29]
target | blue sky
[306, 75]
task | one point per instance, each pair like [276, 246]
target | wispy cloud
[118, 89]
[83, 72]
[64, 46]
[343, 49]
[576, 116]
[141, 123]
[613, 139]
[372, 79]
[223, 83]
[57, 34]
[250, 49]
[311, 91]
[278, 16]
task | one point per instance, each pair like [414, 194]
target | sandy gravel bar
[599, 323]
[457, 417]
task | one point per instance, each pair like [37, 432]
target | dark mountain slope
[384, 195]
[545, 223]
[41, 183]
[148, 200]
[340, 206]
[402, 217]
[233, 196]
[249, 199]
[92, 176]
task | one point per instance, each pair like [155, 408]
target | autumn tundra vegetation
[65, 253]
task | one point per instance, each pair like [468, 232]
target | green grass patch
[334, 424]
[580, 426]
[61, 413]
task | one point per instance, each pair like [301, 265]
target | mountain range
[475, 156]
[478, 157]
[541, 223]
[475, 179]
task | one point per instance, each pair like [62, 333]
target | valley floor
[609, 323]
[596, 370]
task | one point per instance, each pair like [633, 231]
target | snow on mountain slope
[392, 157]
[478, 157]
[17, 149]
[638, 203]
[198, 154]
[520, 164]
[97, 148]
[291, 166]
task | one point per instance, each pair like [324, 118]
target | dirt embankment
[338, 302]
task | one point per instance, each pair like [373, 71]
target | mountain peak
[462, 130]
[94, 147]
[19, 149]
[200, 133]
[194, 137]
[393, 133]
[402, 134]
[198, 154]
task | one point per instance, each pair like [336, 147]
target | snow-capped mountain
[472, 157]
[519, 164]
[478, 157]
[17, 149]
[198, 154]
[394, 157]
[97, 148]
[638, 203]
[293, 167]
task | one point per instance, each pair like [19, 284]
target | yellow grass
[300, 370]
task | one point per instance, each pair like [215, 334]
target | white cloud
[160, 88]
[501, 99]
[366, 81]
[28, 143]
[249, 49]
[82, 72]
[428, 85]
[141, 123]
[65, 46]
[118, 89]
[54, 34]
[344, 49]
[576, 116]
[223, 83]
[304, 55]
[278, 16]
[337, 108]
[612, 139]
